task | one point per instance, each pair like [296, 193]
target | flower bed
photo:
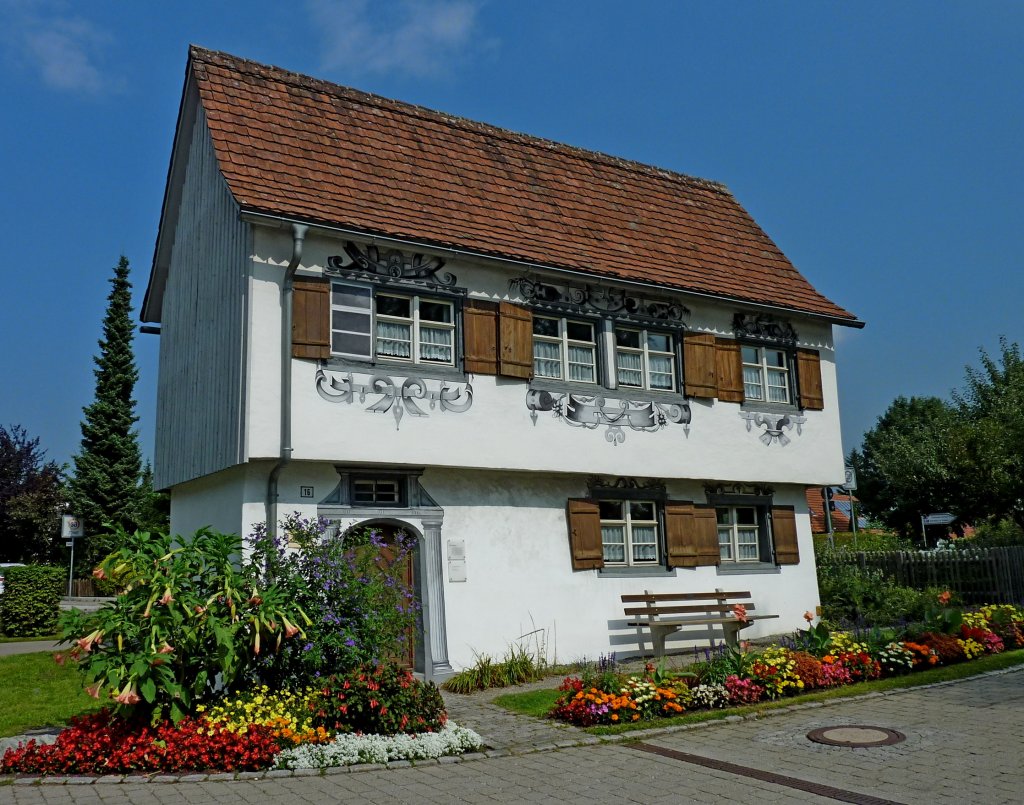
[208, 663]
[814, 659]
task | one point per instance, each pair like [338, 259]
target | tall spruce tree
[104, 489]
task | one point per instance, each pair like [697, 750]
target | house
[570, 376]
[842, 503]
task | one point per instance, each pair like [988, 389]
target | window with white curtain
[629, 532]
[766, 375]
[564, 349]
[391, 326]
[644, 359]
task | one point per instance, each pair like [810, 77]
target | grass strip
[538, 703]
[36, 692]
[45, 638]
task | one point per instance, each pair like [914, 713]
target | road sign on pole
[851, 478]
[71, 527]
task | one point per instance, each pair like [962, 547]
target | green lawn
[36, 692]
[537, 703]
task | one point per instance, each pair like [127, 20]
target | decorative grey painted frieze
[598, 485]
[398, 397]
[593, 412]
[393, 264]
[775, 426]
[763, 327]
[711, 489]
[597, 299]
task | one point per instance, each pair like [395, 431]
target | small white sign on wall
[456, 560]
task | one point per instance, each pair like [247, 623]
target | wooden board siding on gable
[202, 340]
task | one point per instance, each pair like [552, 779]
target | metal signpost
[851, 487]
[71, 529]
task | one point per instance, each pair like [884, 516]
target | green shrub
[189, 625]
[30, 604]
[380, 700]
[1001, 534]
[852, 595]
[868, 541]
[352, 586]
[519, 666]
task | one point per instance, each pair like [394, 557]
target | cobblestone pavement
[963, 745]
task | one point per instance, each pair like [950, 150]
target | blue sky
[881, 145]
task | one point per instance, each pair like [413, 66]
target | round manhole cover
[856, 736]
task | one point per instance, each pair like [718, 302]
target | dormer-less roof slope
[300, 148]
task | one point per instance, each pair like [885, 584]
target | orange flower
[808, 616]
[944, 597]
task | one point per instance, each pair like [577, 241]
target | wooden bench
[665, 613]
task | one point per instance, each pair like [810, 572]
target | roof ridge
[199, 53]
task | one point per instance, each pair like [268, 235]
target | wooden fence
[82, 588]
[983, 576]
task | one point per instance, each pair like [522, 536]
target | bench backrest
[658, 604]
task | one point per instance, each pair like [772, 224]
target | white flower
[347, 750]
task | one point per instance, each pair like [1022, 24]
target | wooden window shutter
[705, 524]
[681, 548]
[808, 376]
[585, 534]
[311, 318]
[691, 535]
[699, 369]
[515, 341]
[787, 552]
[729, 365]
[480, 336]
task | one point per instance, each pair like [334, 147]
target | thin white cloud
[65, 50]
[418, 37]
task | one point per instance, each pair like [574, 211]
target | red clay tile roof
[306, 149]
[816, 504]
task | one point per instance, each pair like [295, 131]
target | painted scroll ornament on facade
[775, 426]
[615, 415]
[398, 397]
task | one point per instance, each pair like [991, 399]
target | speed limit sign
[71, 527]
[851, 479]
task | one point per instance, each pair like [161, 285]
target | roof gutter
[287, 292]
[281, 221]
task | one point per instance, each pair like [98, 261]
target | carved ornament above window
[597, 299]
[599, 486]
[763, 327]
[738, 489]
[393, 264]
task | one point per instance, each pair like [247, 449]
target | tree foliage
[31, 499]
[104, 489]
[965, 456]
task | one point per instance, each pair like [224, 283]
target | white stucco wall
[498, 430]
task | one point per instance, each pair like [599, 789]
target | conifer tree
[104, 489]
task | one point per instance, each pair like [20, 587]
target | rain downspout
[287, 290]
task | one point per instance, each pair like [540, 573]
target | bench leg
[658, 635]
[731, 633]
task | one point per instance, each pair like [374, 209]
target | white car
[2, 566]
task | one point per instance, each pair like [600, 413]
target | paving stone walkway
[963, 745]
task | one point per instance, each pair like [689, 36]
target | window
[644, 359]
[766, 375]
[564, 349]
[377, 491]
[739, 533]
[629, 532]
[391, 327]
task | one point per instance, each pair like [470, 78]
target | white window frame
[627, 524]
[645, 352]
[414, 322]
[731, 531]
[765, 373]
[564, 342]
